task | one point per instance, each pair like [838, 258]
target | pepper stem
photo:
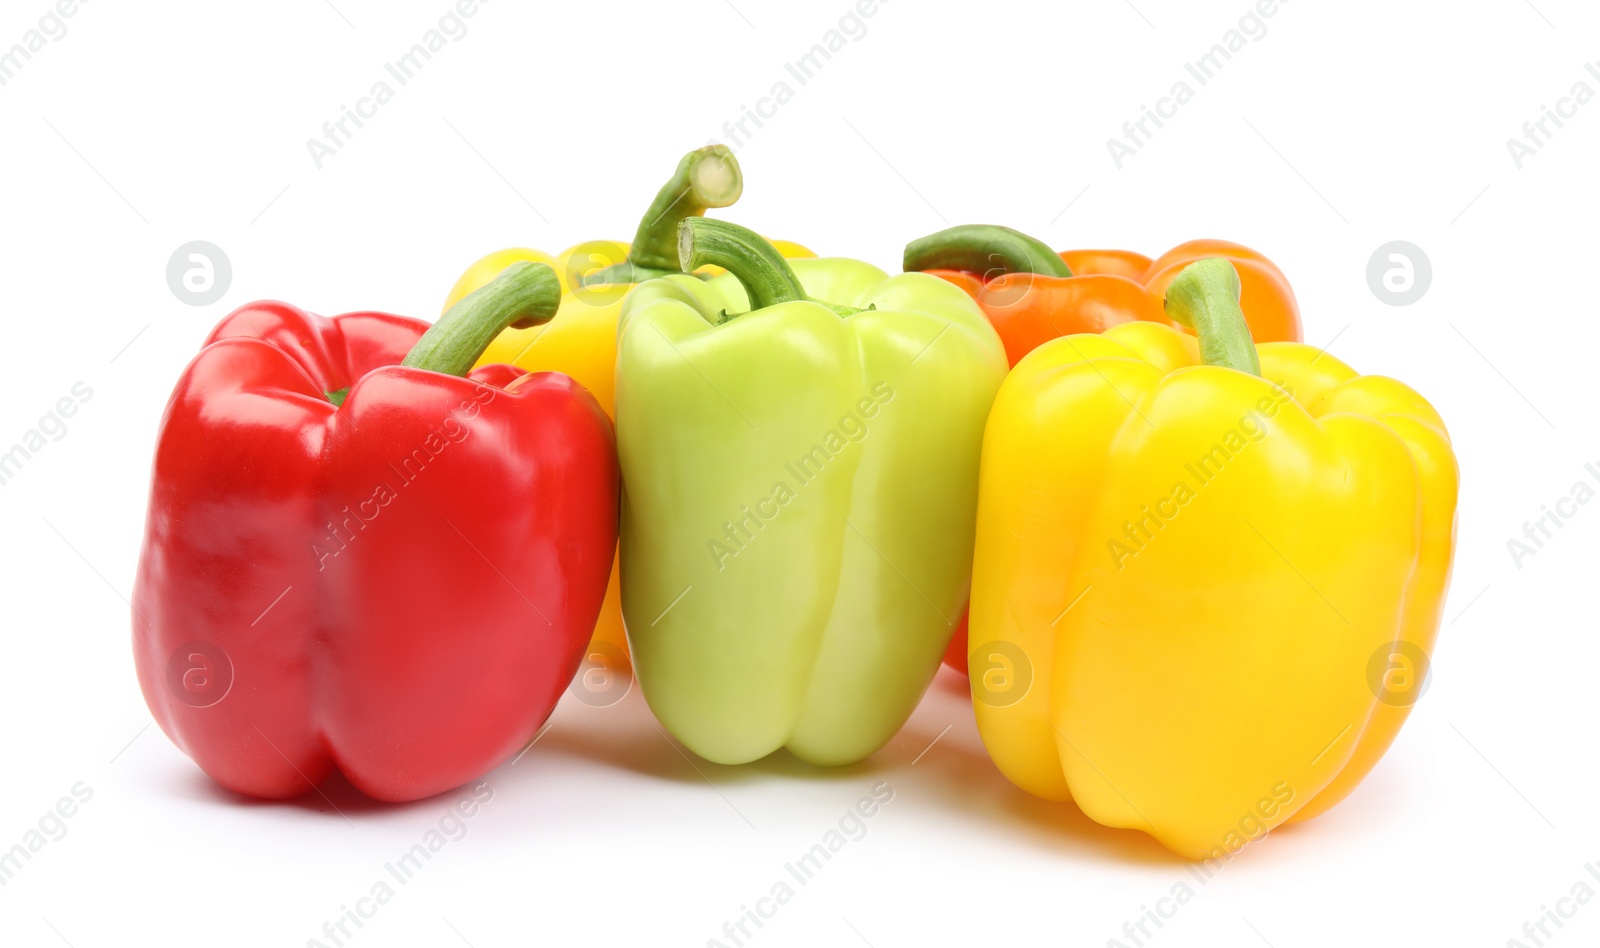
[987, 249]
[1204, 296]
[767, 278]
[706, 177]
[524, 295]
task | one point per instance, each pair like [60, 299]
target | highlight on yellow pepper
[1208, 574]
[581, 340]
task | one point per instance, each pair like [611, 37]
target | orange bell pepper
[1033, 294]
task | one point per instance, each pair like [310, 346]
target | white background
[1346, 126]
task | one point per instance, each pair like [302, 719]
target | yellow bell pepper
[581, 340]
[1203, 569]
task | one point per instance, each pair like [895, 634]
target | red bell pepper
[358, 559]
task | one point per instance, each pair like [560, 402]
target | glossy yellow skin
[1204, 675]
[580, 341]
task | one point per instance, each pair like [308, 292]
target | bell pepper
[357, 559]
[799, 445]
[596, 276]
[1191, 556]
[1033, 294]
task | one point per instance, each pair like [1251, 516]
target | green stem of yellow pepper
[1205, 297]
[988, 249]
[767, 278]
[706, 177]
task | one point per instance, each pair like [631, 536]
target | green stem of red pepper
[524, 295]
[706, 177]
[1204, 296]
[987, 249]
[767, 277]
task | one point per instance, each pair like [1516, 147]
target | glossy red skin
[424, 645]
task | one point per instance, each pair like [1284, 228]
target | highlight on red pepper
[1033, 294]
[359, 557]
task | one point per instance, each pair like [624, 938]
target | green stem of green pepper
[1204, 296]
[988, 249]
[767, 278]
[706, 177]
[524, 295]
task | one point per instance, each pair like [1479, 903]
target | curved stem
[1204, 296]
[706, 177]
[523, 295]
[987, 249]
[767, 279]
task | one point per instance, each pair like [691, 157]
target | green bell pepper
[799, 443]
